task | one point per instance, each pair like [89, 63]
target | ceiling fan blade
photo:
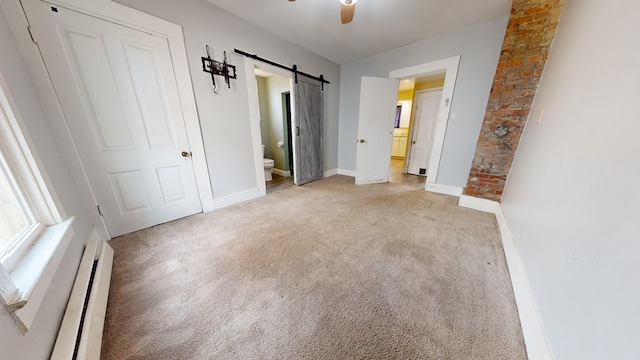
[346, 13]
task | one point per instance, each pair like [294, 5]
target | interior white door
[117, 89]
[378, 101]
[424, 125]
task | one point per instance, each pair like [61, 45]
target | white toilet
[268, 167]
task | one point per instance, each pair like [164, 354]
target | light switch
[540, 116]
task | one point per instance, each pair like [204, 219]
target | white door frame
[413, 122]
[254, 114]
[123, 15]
[450, 67]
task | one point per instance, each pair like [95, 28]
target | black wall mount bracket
[214, 68]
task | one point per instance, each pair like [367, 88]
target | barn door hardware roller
[218, 68]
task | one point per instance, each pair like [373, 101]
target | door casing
[450, 67]
[254, 115]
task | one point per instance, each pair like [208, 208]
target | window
[33, 233]
[18, 225]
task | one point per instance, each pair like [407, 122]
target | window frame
[27, 269]
[21, 241]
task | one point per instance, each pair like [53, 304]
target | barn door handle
[297, 130]
[186, 153]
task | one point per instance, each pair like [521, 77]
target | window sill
[31, 278]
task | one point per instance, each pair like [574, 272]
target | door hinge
[33, 38]
[99, 211]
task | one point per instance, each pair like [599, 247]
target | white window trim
[25, 280]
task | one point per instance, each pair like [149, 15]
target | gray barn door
[309, 165]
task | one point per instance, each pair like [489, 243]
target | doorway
[414, 125]
[274, 100]
[382, 132]
[127, 112]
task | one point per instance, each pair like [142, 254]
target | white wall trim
[444, 189]
[475, 203]
[254, 119]
[533, 331]
[254, 115]
[35, 272]
[450, 67]
[236, 198]
[285, 173]
[535, 337]
[330, 173]
[346, 172]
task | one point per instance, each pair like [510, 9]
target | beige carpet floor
[329, 270]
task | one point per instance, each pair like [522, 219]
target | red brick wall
[530, 30]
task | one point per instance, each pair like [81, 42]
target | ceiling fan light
[348, 2]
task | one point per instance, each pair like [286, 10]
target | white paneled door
[378, 99]
[422, 135]
[117, 89]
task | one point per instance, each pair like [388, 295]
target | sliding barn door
[309, 118]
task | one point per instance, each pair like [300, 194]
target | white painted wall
[572, 196]
[479, 47]
[263, 102]
[38, 342]
[405, 113]
[276, 85]
[225, 117]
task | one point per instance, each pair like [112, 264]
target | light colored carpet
[329, 270]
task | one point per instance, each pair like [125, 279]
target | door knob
[413, 142]
[362, 141]
[186, 153]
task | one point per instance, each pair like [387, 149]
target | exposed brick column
[531, 28]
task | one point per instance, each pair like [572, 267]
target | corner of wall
[533, 331]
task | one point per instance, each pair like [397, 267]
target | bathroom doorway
[274, 98]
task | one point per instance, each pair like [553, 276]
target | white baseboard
[331, 172]
[236, 198]
[475, 203]
[346, 172]
[285, 173]
[535, 337]
[444, 189]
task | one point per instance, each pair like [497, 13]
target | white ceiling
[378, 25]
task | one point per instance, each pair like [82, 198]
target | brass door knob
[362, 141]
[186, 153]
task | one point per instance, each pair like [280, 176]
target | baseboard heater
[80, 334]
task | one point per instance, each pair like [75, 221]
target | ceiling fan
[347, 9]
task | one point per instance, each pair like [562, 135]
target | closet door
[309, 118]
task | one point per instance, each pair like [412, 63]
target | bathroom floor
[278, 183]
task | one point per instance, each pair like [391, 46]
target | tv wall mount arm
[214, 68]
